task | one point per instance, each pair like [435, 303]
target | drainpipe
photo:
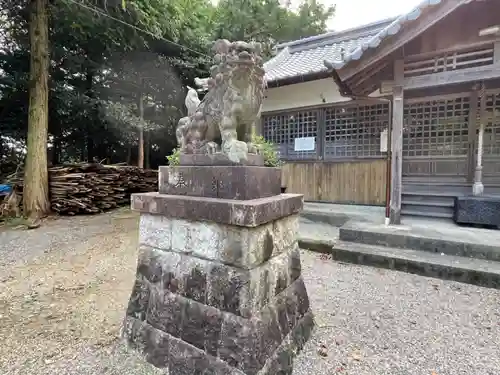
[346, 92]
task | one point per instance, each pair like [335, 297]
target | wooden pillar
[397, 155]
[496, 52]
[478, 187]
[397, 144]
[472, 136]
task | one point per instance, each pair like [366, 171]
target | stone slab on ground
[449, 267]
[438, 236]
[480, 210]
[384, 247]
[340, 214]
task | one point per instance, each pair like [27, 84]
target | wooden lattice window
[436, 127]
[491, 137]
[441, 62]
[354, 131]
[282, 129]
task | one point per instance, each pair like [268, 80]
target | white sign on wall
[305, 144]
[384, 141]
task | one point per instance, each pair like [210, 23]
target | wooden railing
[446, 61]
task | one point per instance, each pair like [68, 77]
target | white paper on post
[383, 141]
[304, 144]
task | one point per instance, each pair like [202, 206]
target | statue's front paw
[211, 148]
[236, 151]
[252, 149]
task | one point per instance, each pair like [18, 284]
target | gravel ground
[373, 321]
[64, 288]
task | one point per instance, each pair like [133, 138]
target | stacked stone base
[222, 296]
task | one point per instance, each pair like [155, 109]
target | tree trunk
[36, 202]
[56, 151]
[147, 150]
[140, 156]
[91, 149]
[129, 155]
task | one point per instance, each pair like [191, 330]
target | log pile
[92, 188]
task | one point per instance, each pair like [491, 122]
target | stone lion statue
[231, 106]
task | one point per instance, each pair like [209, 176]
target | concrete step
[445, 191]
[405, 240]
[428, 204]
[335, 219]
[428, 211]
[431, 201]
[435, 182]
[450, 267]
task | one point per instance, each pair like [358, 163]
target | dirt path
[61, 299]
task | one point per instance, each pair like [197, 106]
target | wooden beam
[388, 46]
[399, 71]
[357, 81]
[396, 155]
[453, 77]
[386, 87]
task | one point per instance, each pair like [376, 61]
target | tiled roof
[393, 28]
[306, 56]
[336, 50]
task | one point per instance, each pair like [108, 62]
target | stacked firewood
[92, 188]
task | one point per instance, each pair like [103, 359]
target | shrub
[267, 150]
[174, 158]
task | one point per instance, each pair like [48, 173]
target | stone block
[245, 344]
[249, 213]
[219, 159]
[281, 362]
[244, 247]
[173, 354]
[139, 299]
[151, 342]
[230, 289]
[479, 210]
[242, 183]
[186, 336]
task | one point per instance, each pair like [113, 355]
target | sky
[353, 13]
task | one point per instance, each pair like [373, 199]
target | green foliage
[269, 22]
[101, 67]
[173, 159]
[267, 150]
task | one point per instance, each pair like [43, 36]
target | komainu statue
[231, 106]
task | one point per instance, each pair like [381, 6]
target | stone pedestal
[218, 286]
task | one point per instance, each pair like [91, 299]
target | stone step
[427, 211]
[433, 193]
[335, 219]
[428, 200]
[449, 267]
[398, 238]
